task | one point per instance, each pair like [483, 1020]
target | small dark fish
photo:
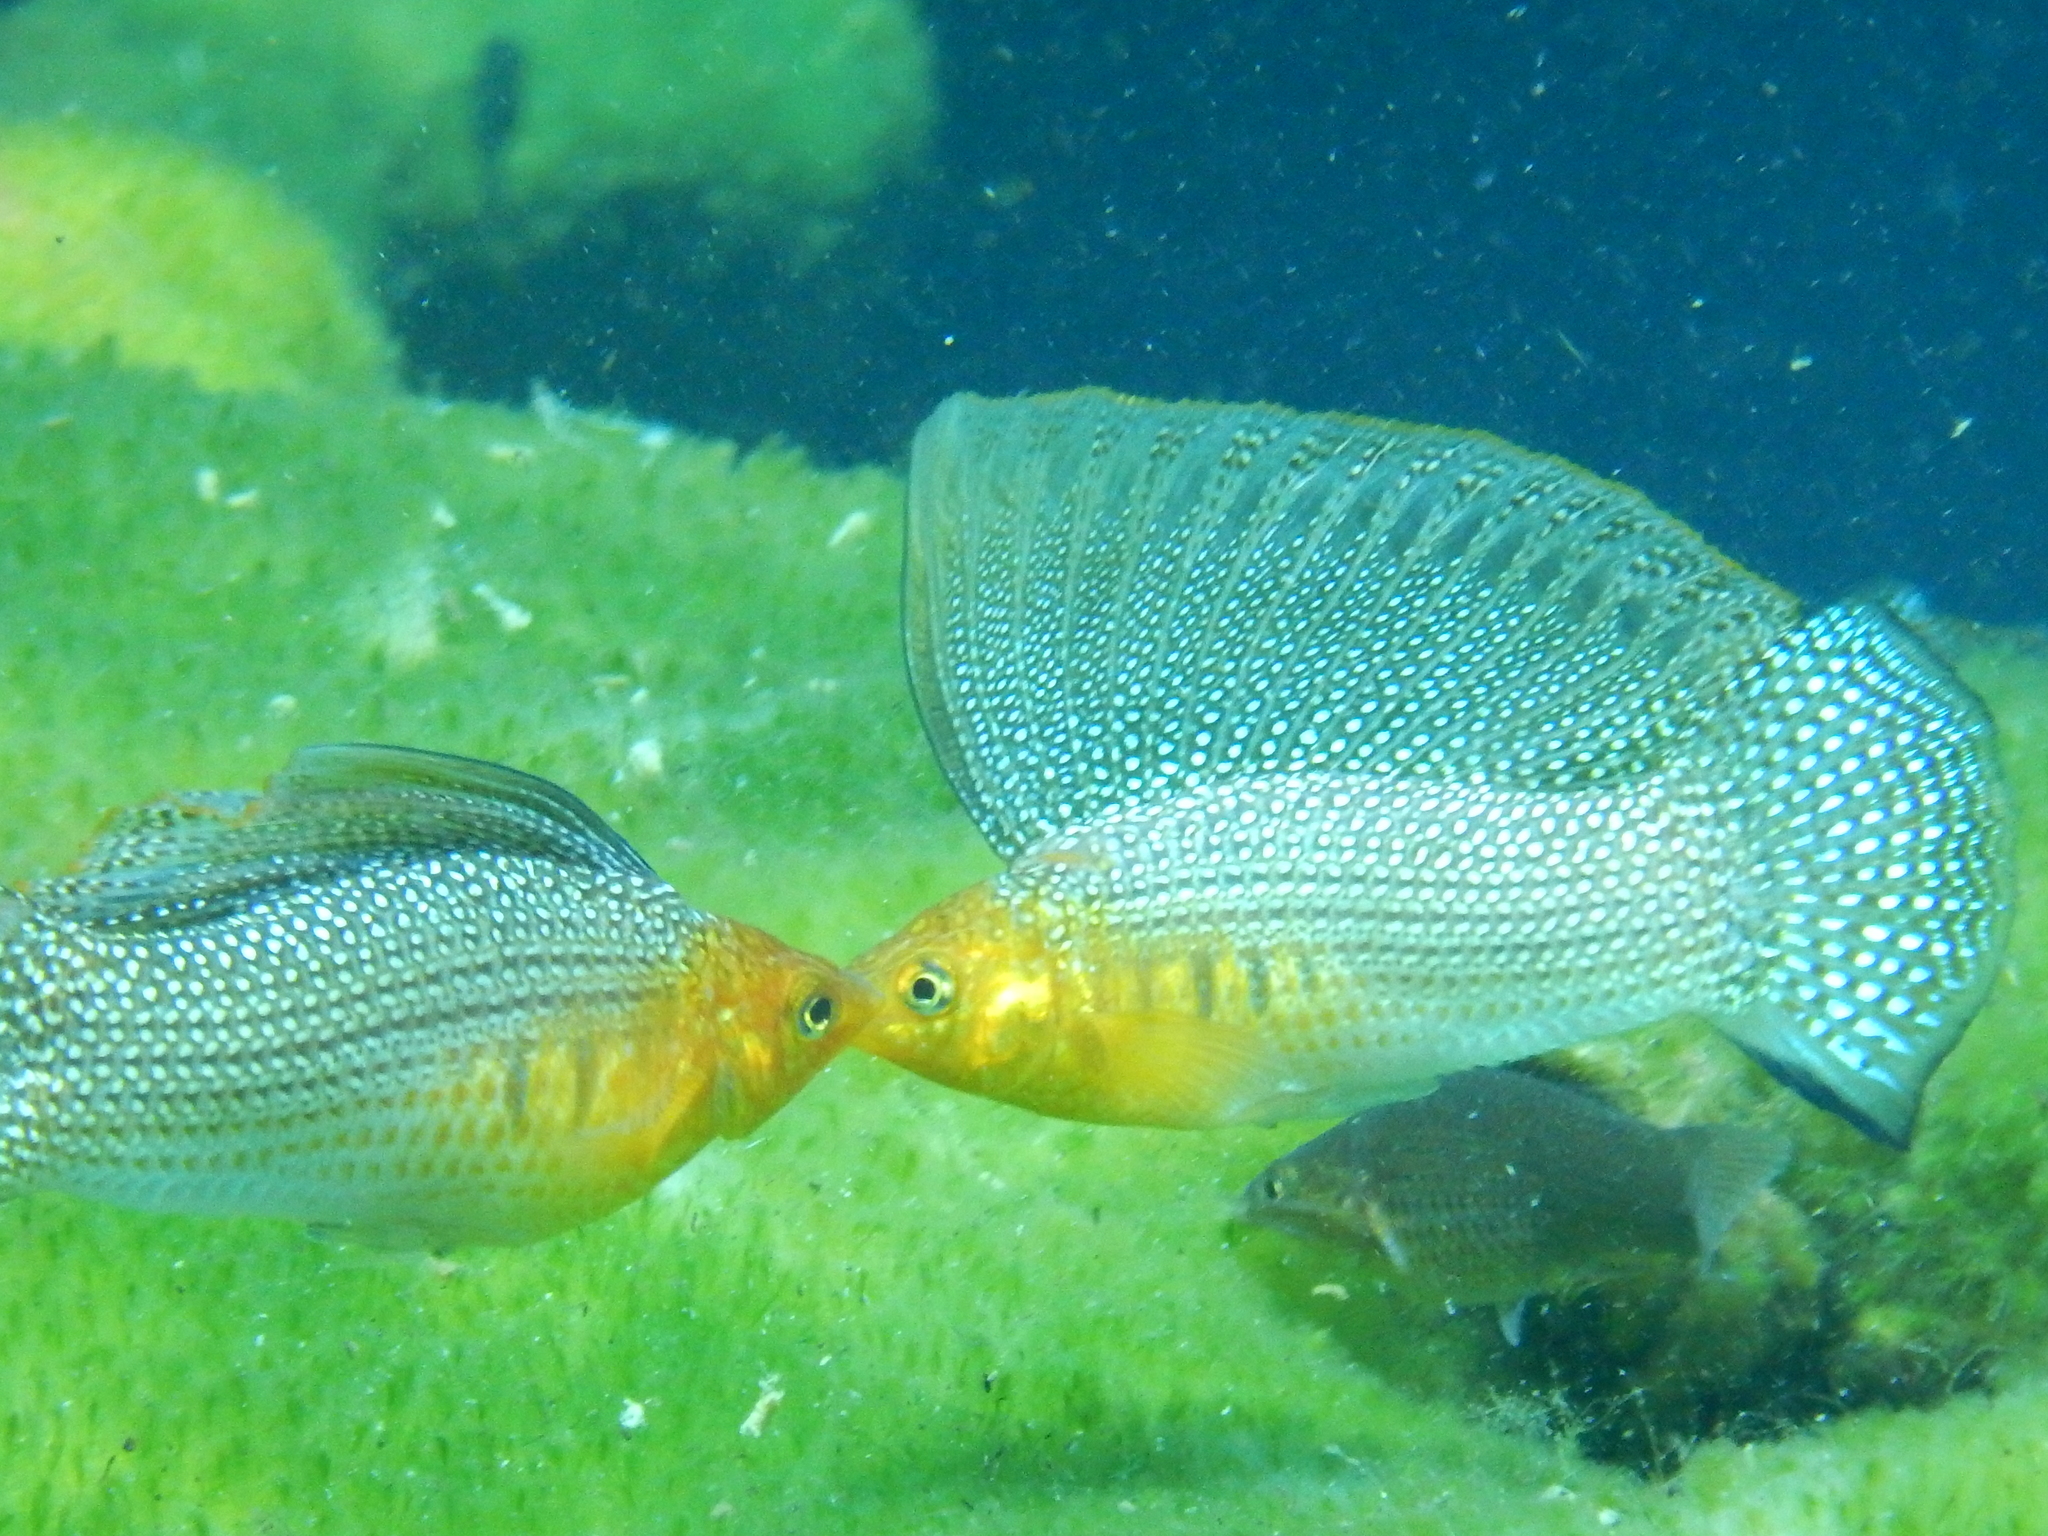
[497, 96]
[1500, 1185]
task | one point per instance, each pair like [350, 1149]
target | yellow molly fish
[1332, 755]
[414, 999]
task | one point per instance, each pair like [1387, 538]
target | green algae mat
[893, 1309]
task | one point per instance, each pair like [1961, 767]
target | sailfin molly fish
[1500, 1185]
[411, 999]
[1331, 755]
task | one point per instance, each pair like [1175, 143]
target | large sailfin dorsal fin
[187, 856]
[1110, 599]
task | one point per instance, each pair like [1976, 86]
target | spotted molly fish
[1499, 1186]
[1331, 755]
[412, 999]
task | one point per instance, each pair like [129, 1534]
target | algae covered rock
[896, 1309]
[893, 1309]
[529, 111]
[175, 260]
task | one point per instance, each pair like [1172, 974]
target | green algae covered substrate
[939, 1314]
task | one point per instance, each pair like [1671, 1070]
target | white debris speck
[1556, 1491]
[554, 412]
[722, 1510]
[281, 706]
[853, 527]
[822, 684]
[206, 483]
[1800, 363]
[1125, 1506]
[1960, 425]
[242, 500]
[1332, 1289]
[511, 617]
[403, 620]
[1609, 1517]
[633, 1416]
[764, 1407]
[509, 453]
[655, 438]
[643, 758]
[439, 515]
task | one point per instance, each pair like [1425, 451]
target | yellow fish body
[1333, 755]
[414, 999]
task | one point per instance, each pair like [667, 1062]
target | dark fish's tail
[1879, 849]
[1727, 1166]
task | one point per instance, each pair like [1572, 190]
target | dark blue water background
[1783, 266]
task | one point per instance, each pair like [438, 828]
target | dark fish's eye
[1274, 1189]
[816, 1016]
[929, 989]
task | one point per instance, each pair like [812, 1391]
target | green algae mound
[174, 260]
[438, 111]
[896, 1309]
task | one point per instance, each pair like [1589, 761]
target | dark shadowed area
[1784, 266]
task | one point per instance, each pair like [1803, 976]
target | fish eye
[816, 1016]
[1274, 1189]
[929, 989]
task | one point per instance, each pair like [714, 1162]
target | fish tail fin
[1727, 1167]
[18, 1153]
[1878, 846]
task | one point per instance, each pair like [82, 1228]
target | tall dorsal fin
[188, 856]
[1110, 599]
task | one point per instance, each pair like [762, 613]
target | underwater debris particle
[281, 706]
[206, 483]
[1331, 1289]
[764, 1406]
[654, 439]
[511, 617]
[242, 500]
[402, 626]
[1609, 1517]
[439, 515]
[643, 759]
[722, 1510]
[632, 1416]
[1801, 363]
[510, 453]
[853, 527]
[1959, 426]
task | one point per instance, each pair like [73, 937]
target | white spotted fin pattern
[1367, 752]
[414, 998]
